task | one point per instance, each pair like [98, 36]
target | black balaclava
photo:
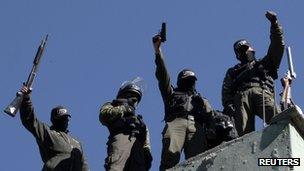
[243, 51]
[186, 84]
[60, 118]
[247, 57]
[186, 80]
[61, 124]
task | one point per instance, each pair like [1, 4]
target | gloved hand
[130, 110]
[229, 110]
[25, 90]
[271, 16]
[198, 99]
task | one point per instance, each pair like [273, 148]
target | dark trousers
[250, 103]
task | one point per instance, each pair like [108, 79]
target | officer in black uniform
[59, 151]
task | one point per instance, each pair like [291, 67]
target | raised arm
[276, 48]
[30, 121]
[161, 73]
[228, 93]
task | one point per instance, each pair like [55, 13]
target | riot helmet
[131, 88]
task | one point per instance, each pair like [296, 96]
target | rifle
[14, 106]
[290, 75]
[162, 33]
[293, 75]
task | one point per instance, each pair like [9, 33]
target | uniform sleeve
[85, 166]
[147, 150]
[30, 121]
[147, 143]
[275, 51]
[227, 89]
[163, 77]
[109, 113]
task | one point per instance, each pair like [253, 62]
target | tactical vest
[252, 74]
[127, 125]
[179, 104]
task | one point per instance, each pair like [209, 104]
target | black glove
[198, 99]
[271, 16]
[229, 110]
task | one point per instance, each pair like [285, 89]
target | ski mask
[244, 51]
[60, 118]
[186, 80]
[247, 56]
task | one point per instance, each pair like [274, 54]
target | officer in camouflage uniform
[129, 142]
[185, 113]
[250, 83]
[59, 151]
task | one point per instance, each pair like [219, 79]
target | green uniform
[245, 84]
[184, 121]
[58, 150]
[128, 143]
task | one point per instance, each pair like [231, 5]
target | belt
[186, 116]
[246, 86]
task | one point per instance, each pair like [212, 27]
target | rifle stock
[14, 106]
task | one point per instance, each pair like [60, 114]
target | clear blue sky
[96, 45]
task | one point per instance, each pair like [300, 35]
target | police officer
[185, 112]
[249, 85]
[128, 142]
[59, 151]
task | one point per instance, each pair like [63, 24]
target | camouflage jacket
[269, 64]
[168, 92]
[113, 116]
[58, 150]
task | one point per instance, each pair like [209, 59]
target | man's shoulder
[233, 68]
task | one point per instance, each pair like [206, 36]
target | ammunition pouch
[131, 125]
[250, 75]
[180, 105]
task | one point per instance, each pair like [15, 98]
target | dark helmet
[130, 88]
[186, 73]
[239, 45]
[58, 112]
